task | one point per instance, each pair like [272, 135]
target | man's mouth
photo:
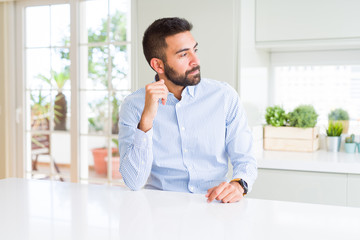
[194, 71]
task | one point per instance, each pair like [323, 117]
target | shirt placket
[185, 147]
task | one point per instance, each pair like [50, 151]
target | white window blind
[326, 87]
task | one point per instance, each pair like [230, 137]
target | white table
[31, 209]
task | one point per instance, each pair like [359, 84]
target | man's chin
[196, 80]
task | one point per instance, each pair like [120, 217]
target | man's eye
[183, 55]
[196, 49]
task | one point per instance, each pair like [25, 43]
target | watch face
[244, 185]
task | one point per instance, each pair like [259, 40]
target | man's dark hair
[154, 42]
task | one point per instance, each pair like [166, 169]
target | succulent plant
[304, 116]
[338, 114]
[335, 129]
[350, 139]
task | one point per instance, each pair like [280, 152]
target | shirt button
[178, 105]
[142, 162]
[182, 128]
[185, 150]
[144, 139]
[191, 188]
[190, 167]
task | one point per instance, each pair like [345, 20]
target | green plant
[276, 116]
[335, 129]
[60, 104]
[338, 114]
[350, 139]
[40, 109]
[116, 142]
[98, 117]
[304, 116]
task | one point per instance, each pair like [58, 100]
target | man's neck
[173, 88]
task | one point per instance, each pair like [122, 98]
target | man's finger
[209, 191]
[216, 192]
[227, 190]
[236, 198]
[228, 197]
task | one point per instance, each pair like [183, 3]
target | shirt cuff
[142, 139]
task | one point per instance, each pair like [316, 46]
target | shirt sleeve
[135, 148]
[239, 141]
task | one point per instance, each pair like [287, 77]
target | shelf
[319, 161]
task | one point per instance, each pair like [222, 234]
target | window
[73, 87]
[325, 86]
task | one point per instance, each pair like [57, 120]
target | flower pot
[99, 155]
[333, 144]
[350, 147]
[115, 168]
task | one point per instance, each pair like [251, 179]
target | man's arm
[135, 137]
[238, 142]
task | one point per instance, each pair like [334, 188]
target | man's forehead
[180, 41]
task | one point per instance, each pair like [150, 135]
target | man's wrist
[145, 124]
[238, 186]
[242, 184]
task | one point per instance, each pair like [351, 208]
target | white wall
[214, 28]
[254, 67]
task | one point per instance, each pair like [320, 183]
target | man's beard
[182, 80]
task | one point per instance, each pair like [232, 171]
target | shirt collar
[190, 89]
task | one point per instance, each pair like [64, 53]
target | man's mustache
[193, 70]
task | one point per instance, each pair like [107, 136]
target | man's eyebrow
[186, 49]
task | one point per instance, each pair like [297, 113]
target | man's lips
[195, 72]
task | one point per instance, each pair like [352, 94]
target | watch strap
[240, 181]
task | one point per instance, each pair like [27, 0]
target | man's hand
[226, 192]
[154, 92]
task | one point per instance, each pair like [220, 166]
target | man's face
[182, 66]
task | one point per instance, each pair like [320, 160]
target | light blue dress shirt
[188, 147]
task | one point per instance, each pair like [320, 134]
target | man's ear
[157, 64]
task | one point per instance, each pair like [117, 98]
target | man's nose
[194, 59]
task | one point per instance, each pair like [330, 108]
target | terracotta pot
[115, 168]
[99, 155]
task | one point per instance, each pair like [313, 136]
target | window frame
[307, 58]
[74, 131]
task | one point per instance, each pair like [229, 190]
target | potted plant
[350, 144]
[60, 103]
[342, 116]
[294, 131]
[100, 156]
[116, 161]
[276, 116]
[304, 116]
[333, 139]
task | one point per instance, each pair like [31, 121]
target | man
[177, 133]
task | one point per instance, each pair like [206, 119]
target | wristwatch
[242, 183]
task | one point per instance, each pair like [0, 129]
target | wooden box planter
[291, 139]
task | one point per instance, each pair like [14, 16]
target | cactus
[350, 139]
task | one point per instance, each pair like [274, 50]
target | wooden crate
[291, 139]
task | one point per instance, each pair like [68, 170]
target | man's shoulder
[138, 95]
[135, 99]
